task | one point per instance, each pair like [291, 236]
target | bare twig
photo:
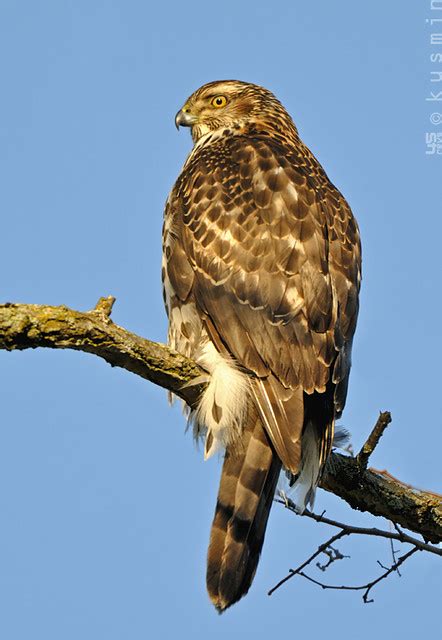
[373, 439]
[333, 555]
[400, 536]
[319, 550]
[392, 549]
[365, 587]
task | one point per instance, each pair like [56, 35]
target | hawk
[261, 274]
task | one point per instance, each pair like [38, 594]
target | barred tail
[247, 487]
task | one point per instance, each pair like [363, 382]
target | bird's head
[231, 104]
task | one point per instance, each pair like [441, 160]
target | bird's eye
[218, 101]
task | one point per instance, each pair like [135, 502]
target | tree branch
[24, 326]
[373, 439]
[28, 326]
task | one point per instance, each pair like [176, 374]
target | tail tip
[219, 603]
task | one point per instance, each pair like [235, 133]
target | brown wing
[275, 253]
[345, 270]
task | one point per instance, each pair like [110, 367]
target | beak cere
[183, 119]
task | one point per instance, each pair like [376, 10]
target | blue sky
[105, 504]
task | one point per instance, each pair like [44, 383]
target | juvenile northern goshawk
[261, 273]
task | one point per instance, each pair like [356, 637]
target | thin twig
[365, 531]
[319, 550]
[366, 587]
[392, 549]
[372, 441]
[333, 555]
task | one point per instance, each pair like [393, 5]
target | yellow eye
[218, 101]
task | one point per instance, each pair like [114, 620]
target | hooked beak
[183, 119]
